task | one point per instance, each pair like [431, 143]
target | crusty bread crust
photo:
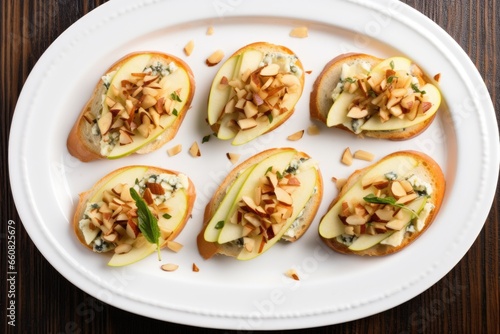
[85, 196]
[321, 100]
[82, 144]
[209, 249]
[268, 47]
[430, 171]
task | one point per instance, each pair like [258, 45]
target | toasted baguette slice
[136, 107]
[106, 216]
[353, 225]
[254, 91]
[226, 232]
[397, 120]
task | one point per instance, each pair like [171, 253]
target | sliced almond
[347, 157]
[355, 220]
[396, 224]
[270, 70]
[174, 246]
[233, 157]
[210, 30]
[397, 189]
[247, 123]
[292, 273]
[189, 47]
[169, 267]
[155, 188]
[104, 123]
[174, 150]
[296, 136]
[283, 196]
[313, 130]
[215, 58]
[357, 113]
[408, 198]
[299, 32]
[363, 155]
[123, 249]
[194, 150]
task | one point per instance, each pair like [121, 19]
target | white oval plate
[255, 295]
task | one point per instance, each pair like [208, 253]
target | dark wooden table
[466, 300]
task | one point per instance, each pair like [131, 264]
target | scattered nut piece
[347, 157]
[215, 58]
[195, 268]
[296, 136]
[174, 246]
[339, 182]
[174, 150]
[194, 150]
[308, 71]
[437, 77]
[169, 267]
[313, 130]
[188, 49]
[292, 274]
[123, 248]
[363, 155]
[210, 31]
[233, 157]
[299, 32]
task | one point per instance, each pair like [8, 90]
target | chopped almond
[347, 157]
[169, 267]
[296, 136]
[313, 130]
[299, 32]
[215, 58]
[174, 246]
[233, 157]
[194, 150]
[174, 150]
[363, 155]
[195, 268]
[292, 273]
[210, 31]
[189, 47]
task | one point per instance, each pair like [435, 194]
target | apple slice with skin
[300, 197]
[211, 232]
[178, 80]
[122, 178]
[279, 161]
[177, 210]
[141, 249]
[366, 241]
[394, 123]
[330, 225]
[218, 95]
[338, 111]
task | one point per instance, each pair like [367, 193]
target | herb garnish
[371, 198]
[391, 79]
[174, 96]
[350, 80]
[148, 224]
[416, 90]
[205, 139]
[268, 170]
[392, 64]
[167, 216]
[270, 117]
[219, 225]
[175, 112]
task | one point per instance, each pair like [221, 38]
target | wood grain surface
[466, 300]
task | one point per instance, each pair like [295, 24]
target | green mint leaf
[167, 216]
[148, 224]
[175, 112]
[219, 225]
[205, 139]
[174, 96]
[270, 117]
[268, 170]
[371, 198]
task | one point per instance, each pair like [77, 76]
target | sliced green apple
[219, 95]
[300, 198]
[176, 81]
[126, 176]
[141, 249]
[395, 123]
[211, 231]
[338, 111]
[279, 161]
[177, 210]
[366, 241]
[378, 72]
[330, 225]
